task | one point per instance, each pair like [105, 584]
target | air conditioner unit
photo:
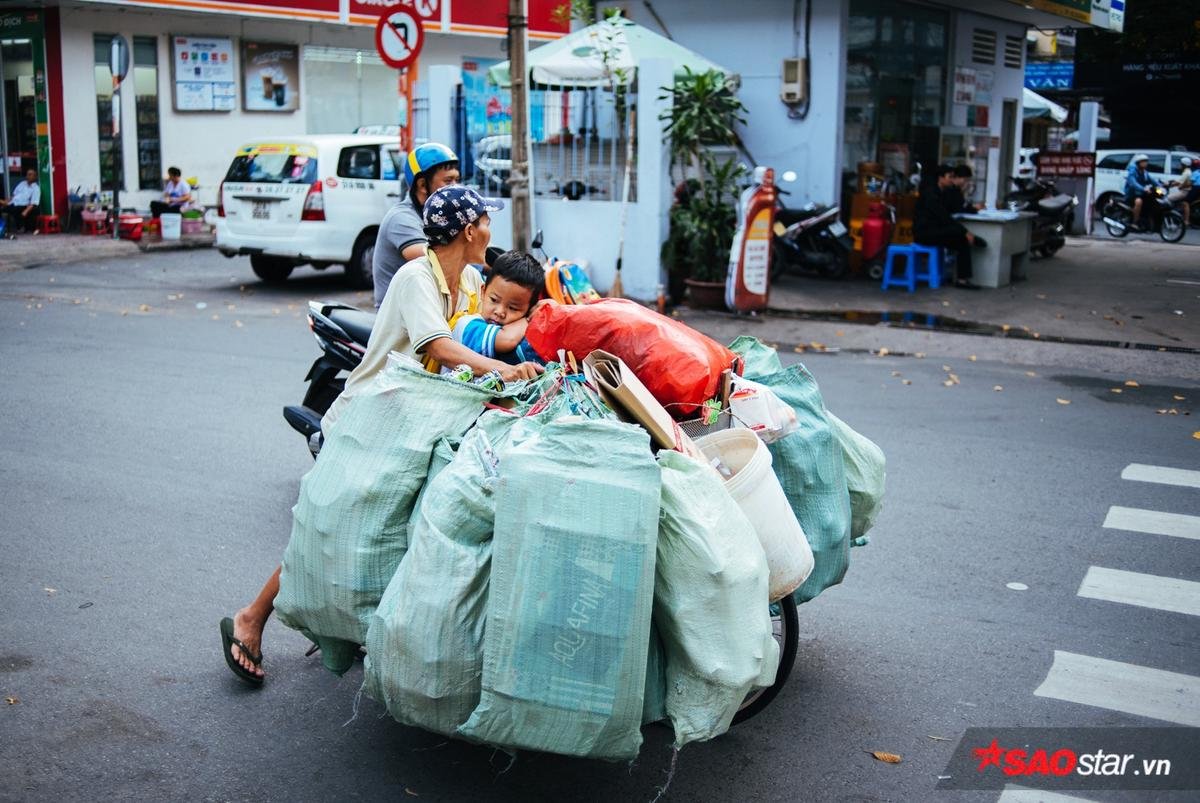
[791, 88]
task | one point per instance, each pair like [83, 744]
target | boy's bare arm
[511, 335]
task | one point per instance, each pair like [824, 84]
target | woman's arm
[449, 353]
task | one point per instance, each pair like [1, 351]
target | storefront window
[104, 109]
[20, 123]
[145, 87]
[895, 84]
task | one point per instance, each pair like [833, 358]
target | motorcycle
[1158, 215]
[812, 240]
[1054, 210]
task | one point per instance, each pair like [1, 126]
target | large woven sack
[350, 523]
[572, 589]
[425, 642]
[865, 475]
[810, 468]
[710, 601]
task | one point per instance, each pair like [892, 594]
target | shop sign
[204, 76]
[1049, 74]
[270, 77]
[1066, 164]
[427, 10]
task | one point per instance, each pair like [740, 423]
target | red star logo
[988, 755]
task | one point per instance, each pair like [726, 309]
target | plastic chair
[95, 226]
[49, 224]
[912, 271]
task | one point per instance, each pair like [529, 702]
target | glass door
[20, 139]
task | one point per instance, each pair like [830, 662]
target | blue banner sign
[1049, 74]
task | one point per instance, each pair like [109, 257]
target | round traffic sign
[398, 38]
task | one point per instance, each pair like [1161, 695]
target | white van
[1111, 165]
[308, 200]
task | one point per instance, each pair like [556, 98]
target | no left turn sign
[398, 38]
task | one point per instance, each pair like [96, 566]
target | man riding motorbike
[1138, 182]
[401, 237]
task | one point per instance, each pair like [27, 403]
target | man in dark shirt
[933, 224]
[956, 193]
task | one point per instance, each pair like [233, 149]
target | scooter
[1054, 210]
[810, 240]
[1158, 215]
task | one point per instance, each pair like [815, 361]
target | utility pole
[518, 24]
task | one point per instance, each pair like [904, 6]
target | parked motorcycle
[1054, 210]
[1158, 215]
[810, 240]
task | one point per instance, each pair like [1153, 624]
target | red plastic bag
[679, 365]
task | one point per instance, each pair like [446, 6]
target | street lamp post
[518, 24]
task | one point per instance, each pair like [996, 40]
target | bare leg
[1137, 210]
[248, 623]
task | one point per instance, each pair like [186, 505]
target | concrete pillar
[441, 81]
[648, 220]
[1089, 122]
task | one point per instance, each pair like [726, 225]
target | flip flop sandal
[227, 641]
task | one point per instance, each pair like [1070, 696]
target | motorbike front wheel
[1114, 211]
[786, 623]
[1172, 229]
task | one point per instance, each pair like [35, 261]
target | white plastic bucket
[171, 224]
[758, 493]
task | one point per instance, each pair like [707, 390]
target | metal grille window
[983, 46]
[145, 87]
[1014, 50]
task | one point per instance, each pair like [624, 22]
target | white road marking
[1021, 794]
[1161, 474]
[1181, 281]
[1117, 686]
[1152, 521]
[1146, 590]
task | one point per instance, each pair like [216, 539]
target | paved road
[148, 476]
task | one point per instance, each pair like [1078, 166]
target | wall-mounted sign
[1049, 74]
[204, 75]
[964, 85]
[1078, 164]
[270, 77]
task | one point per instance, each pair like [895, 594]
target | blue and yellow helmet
[426, 157]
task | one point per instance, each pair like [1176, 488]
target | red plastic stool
[49, 224]
[152, 226]
[94, 226]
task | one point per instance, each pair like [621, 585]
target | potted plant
[703, 112]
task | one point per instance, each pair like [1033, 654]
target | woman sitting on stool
[177, 194]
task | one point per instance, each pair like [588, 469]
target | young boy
[513, 286]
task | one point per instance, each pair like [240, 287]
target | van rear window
[273, 168]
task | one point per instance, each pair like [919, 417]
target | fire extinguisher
[747, 282]
[876, 233]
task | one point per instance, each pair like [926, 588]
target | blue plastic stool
[912, 273]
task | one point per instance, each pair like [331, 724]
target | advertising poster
[270, 77]
[204, 78]
[489, 108]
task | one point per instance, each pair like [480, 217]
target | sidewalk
[30, 250]
[1094, 291]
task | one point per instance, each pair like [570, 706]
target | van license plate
[261, 211]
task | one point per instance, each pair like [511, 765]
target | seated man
[1183, 190]
[956, 193]
[933, 225]
[1138, 182]
[513, 286]
[24, 206]
[176, 197]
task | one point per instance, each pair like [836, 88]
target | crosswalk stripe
[1117, 686]
[1146, 590]
[1155, 522]
[1021, 794]
[1141, 472]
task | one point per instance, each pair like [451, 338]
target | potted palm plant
[703, 113]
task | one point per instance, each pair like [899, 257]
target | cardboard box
[621, 390]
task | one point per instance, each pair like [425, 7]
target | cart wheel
[786, 622]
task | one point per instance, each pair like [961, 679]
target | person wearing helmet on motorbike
[1183, 191]
[401, 237]
[1138, 182]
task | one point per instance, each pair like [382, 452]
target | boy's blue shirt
[479, 336]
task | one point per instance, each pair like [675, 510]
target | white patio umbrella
[577, 59]
[1034, 105]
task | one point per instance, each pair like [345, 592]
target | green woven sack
[568, 618]
[350, 523]
[865, 475]
[809, 466]
[711, 602]
[425, 642]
